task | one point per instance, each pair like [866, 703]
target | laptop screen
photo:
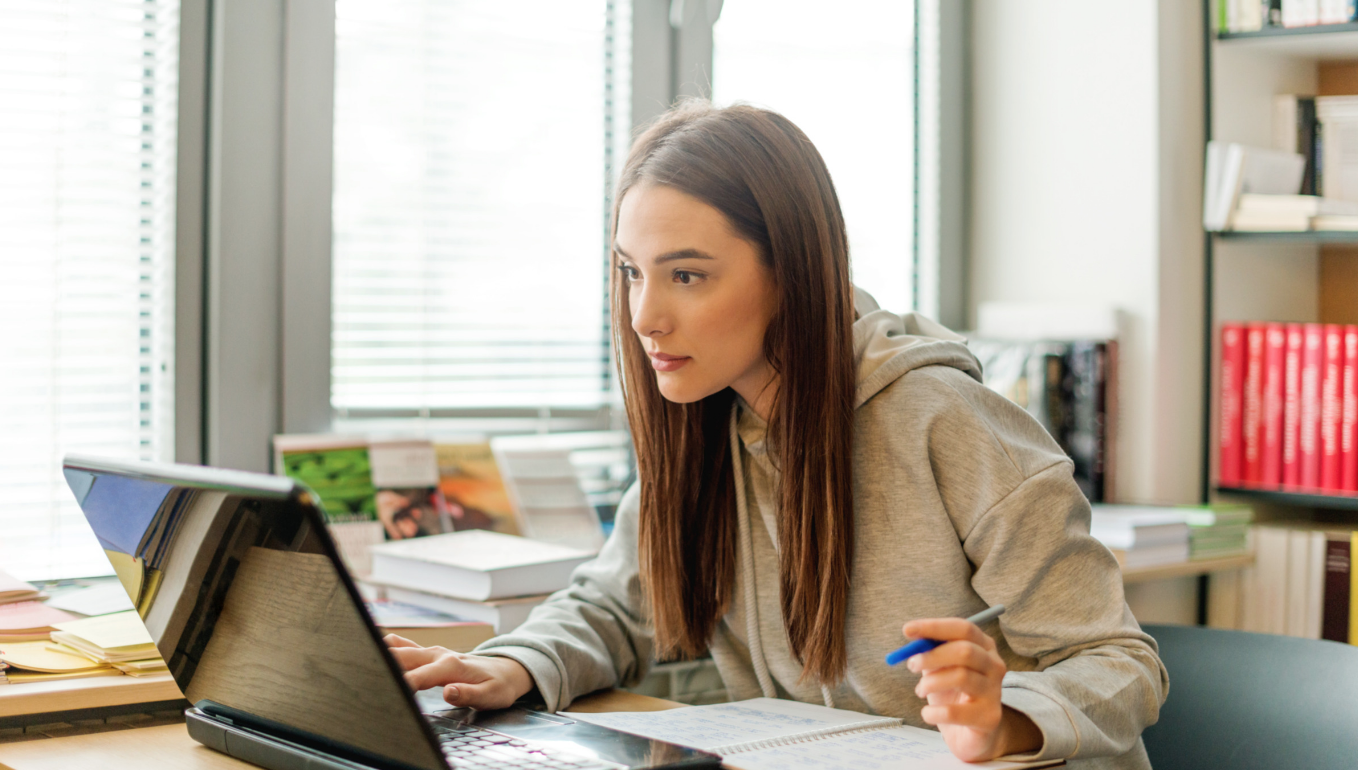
[238, 584]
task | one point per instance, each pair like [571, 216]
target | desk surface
[168, 747]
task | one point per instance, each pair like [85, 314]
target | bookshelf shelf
[1326, 41]
[1187, 569]
[1300, 499]
[1296, 236]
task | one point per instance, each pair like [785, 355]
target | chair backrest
[1239, 700]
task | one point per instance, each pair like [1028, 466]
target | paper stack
[13, 589]
[1141, 536]
[119, 640]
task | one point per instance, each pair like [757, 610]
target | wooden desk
[168, 747]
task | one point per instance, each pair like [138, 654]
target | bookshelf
[1279, 276]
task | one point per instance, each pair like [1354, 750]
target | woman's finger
[948, 630]
[978, 716]
[414, 657]
[956, 679]
[392, 640]
[490, 694]
[965, 654]
[446, 670]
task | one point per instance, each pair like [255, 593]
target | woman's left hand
[961, 680]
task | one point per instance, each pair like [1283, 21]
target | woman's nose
[649, 318]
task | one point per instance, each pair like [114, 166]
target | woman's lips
[663, 362]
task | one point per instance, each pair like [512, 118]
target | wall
[1087, 146]
[1085, 188]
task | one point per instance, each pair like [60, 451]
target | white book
[1309, 205]
[504, 615]
[1270, 573]
[775, 734]
[1131, 527]
[1298, 581]
[1236, 169]
[1152, 556]
[1315, 586]
[1339, 160]
[476, 564]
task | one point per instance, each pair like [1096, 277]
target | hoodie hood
[887, 345]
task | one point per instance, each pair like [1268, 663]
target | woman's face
[701, 298]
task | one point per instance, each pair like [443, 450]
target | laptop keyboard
[470, 747]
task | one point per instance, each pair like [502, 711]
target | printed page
[892, 748]
[726, 724]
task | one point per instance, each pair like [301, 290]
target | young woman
[814, 473]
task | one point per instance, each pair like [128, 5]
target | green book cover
[341, 477]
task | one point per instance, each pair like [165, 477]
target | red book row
[1289, 407]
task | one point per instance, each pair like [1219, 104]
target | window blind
[88, 94]
[844, 73]
[473, 144]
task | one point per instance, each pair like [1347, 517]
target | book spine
[1292, 407]
[1085, 444]
[1312, 369]
[1335, 625]
[1252, 432]
[1348, 423]
[1232, 397]
[1331, 409]
[1275, 353]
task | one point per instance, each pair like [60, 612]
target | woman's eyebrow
[670, 256]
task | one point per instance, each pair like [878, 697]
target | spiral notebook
[774, 734]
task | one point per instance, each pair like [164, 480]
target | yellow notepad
[109, 632]
[41, 657]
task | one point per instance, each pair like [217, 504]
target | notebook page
[724, 725]
[891, 748]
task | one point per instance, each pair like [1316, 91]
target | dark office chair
[1242, 701]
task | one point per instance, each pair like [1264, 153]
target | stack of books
[428, 628]
[1142, 536]
[478, 575]
[1288, 407]
[1218, 531]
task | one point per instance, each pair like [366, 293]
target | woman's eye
[629, 273]
[685, 277]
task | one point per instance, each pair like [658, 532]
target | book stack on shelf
[1071, 388]
[1288, 408]
[1142, 536]
[1302, 583]
[482, 576]
[1243, 16]
[1217, 531]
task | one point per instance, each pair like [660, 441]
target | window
[844, 73]
[87, 171]
[473, 150]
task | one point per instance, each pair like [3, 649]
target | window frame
[256, 117]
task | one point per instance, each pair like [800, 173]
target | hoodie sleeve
[1098, 680]
[592, 634]
[1079, 665]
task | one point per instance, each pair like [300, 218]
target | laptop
[243, 592]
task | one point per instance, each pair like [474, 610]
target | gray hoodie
[961, 501]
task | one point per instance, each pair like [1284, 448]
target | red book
[1232, 399]
[1312, 369]
[1292, 407]
[1331, 408]
[1348, 424]
[1275, 351]
[1252, 432]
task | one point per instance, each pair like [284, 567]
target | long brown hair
[764, 175]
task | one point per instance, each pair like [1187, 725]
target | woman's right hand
[473, 681]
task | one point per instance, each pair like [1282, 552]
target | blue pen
[924, 645]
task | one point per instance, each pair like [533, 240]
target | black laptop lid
[239, 585]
